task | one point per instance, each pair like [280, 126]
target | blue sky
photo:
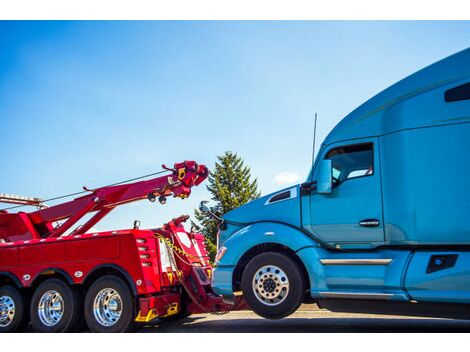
[92, 103]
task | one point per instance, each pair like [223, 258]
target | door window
[352, 161]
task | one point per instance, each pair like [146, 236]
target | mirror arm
[215, 216]
[204, 209]
[307, 187]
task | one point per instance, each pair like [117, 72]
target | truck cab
[381, 224]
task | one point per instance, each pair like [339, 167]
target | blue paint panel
[266, 232]
[355, 278]
[245, 239]
[426, 185]
[446, 285]
[222, 280]
[335, 217]
[287, 210]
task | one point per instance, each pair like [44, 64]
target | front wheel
[273, 285]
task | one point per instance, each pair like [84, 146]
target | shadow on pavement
[312, 325]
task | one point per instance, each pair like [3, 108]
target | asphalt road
[308, 319]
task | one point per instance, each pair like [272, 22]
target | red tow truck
[60, 276]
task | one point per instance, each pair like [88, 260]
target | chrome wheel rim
[270, 285]
[107, 307]
[7, 311]
[51, 308]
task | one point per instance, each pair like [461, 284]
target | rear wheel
[109, 306]
[273, 285]
[13, 310]
[55, 307]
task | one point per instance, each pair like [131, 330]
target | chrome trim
[369, 223]
[293, 194]
[357, 295]
[356, 261]
[270, 285]
[7, 311]
[51, 308]
[107, 307]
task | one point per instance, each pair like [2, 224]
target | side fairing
[359, 275]
[442, 276]
[426, 186]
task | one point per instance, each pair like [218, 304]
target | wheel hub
[270, 285]
[7, 311]
[107, 307]
[51, 308]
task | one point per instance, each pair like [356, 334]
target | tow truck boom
[39, 224]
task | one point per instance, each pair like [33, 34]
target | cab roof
[381, 114]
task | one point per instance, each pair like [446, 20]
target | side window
[352, 161]
[458, 93]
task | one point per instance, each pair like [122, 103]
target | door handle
[369, 223]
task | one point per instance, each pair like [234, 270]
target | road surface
[308, 319]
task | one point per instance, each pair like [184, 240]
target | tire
[273, 285]
[14, 315]
[56, 307]
[116, 311]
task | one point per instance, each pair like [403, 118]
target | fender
[12, 277]
[263, 232]
[60, 271]
[118, 268]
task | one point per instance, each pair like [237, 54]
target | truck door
[351, 215]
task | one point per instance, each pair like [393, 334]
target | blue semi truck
[381, 225]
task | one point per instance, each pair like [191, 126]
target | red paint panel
[93, 249]
[42, 254]
[8, 257]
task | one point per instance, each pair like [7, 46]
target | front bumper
[222, 280]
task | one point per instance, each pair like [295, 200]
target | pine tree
[230, 186]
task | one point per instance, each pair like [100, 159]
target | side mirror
[325, 179]
[203, 206]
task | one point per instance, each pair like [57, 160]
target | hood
[281, 206]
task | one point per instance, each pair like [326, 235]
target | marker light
[220, 253]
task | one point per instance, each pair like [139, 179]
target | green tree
[230, 186]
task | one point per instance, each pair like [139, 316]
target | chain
[182, 252]
[171, 247]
